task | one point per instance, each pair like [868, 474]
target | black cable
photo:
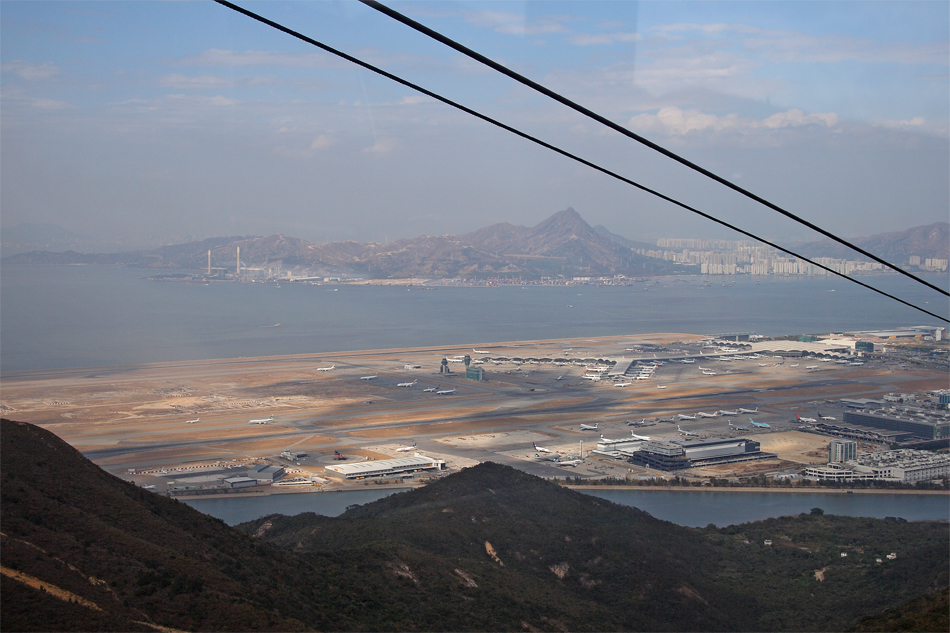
[614, 126]
[558, 150]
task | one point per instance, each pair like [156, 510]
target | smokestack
[239, 261]
[209, 262]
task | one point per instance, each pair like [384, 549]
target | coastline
[760, 489]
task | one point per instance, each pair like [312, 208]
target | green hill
[490, 548]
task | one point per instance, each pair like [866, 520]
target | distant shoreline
[862, 491]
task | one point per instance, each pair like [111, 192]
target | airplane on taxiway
[429, 389]
[262, 421]
[570, 462]
[330, 368]
[193, 421]
[589, 427]
[622, 384]
[762, 425]
[373, 377]
[809, 420]
[811, 367]
[406, 449]
[445, 392]
[481, 351]
[540, 449]
[406, 384]
[826, 417]
[755, 410]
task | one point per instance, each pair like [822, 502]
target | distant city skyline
[124, 120]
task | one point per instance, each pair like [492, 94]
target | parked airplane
[406, 449]
[589, 427]
[429, 389]
[759, 424]
[684, 431]
[481, 351]
[708, 372]
[368, 377]
[809, 420]
[825, 360]
[594, 377]
[445, 392]
[193, 421]
[795, 365]
[571, 462]
[262, 421]
[825, 417]
[755, 410]
[737, 427]
[622, 384]
[856, 364]
[645, 438]
[330, 368]
[338, 455]
[726, 412]
[540, 449]
[683, 416]
[407, 384]
[687, 361]
[811, 367]
[708, 415]
[547, 458]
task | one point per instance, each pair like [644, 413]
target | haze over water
[95, 316]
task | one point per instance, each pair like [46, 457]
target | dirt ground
[795, 446]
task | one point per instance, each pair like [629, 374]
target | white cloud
[216, 57]
[30, 72]
[50, 104]
[677, 122]
[321, 142]
[516, 23]
[597, 39]
[382, 146]
[415, 100]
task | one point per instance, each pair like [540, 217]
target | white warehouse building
[383, 467]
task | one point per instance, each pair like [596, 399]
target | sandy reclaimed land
[795, 446]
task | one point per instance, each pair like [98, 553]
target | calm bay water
[95, 316]
[689, 508]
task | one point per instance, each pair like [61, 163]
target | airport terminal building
[679, 454]
[385, 467]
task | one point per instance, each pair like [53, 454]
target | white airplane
[193, 421]
[540, 449]
[707, 372]
[645, 438]
[475, 361]
[683, 416]
[661, 386]
[795, 365]
[547, 458]
[755, 410]
[430, 389]
[622, 384]
[687, 361]
[725, 412]
[571, 462]
[737, 427]
[149, 487]
[825, 360]
[586, 377]
[445, 392]
[759, 424]
[373, 377]
[262, 421]
[684, 431]
[811, 367]
[809, 420]
[826, 417]
[589, 427]
[406, 384]
[856, 364]
[406, 449]
[708, 415]
[454, 360]
[330, 368]
[481, 351]
[560, 377]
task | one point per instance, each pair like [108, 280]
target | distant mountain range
[931, 241]
[564, 244]
[489, 548]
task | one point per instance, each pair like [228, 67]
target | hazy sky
[174, 119]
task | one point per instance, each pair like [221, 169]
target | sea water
[95, 316]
